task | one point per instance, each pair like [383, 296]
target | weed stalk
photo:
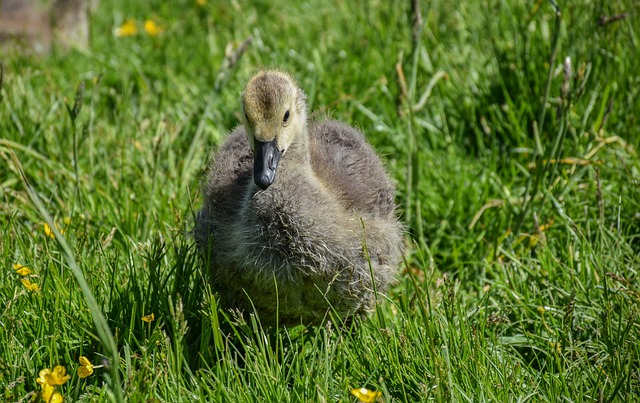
[534, 180]
[414, 163]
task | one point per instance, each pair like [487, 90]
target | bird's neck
[298, 152]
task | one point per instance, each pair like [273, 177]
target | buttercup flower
[48, 379]
[86, 367]
[50, 396]
[49, 232]
[41, 378]
[129, 28]
[365, 395]
[149, 318]
[152, 28]
[21, 270]
[29, 285]
[57, 376]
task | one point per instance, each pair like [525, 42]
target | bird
[298, 222]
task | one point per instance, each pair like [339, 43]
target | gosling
[298, 219]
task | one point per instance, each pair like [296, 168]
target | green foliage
[517, 181]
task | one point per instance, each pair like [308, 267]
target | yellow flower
[149, 318]
[86, 367]
[57, 376]
[49, 232]
[29, 285]
[365, 395]
[21, 270]
[48, 379]
[41, 377]
[129, 28]
[50, 396]
[201, 3]
[67, 220]
[152, 28]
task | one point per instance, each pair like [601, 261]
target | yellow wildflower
[149, 318]
[86, 367]
[365, 395]
[49, 232]
[152, 28]
[48, 379]
[67, 220]
[50, 396]
[21, 270]
[129, 28]
[201, 3]
[57, 376]
[29, 285]
[41, 378]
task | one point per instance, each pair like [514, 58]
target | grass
[518, 182]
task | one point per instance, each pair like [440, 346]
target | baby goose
[298, 217]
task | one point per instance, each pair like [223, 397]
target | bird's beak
[265, 161]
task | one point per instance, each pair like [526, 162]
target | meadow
[511, 127]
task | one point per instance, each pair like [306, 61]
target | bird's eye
[286, 117]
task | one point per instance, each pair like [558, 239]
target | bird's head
[274, 114]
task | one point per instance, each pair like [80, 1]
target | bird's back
[348, 165]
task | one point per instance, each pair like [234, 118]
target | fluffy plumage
[312, 240]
